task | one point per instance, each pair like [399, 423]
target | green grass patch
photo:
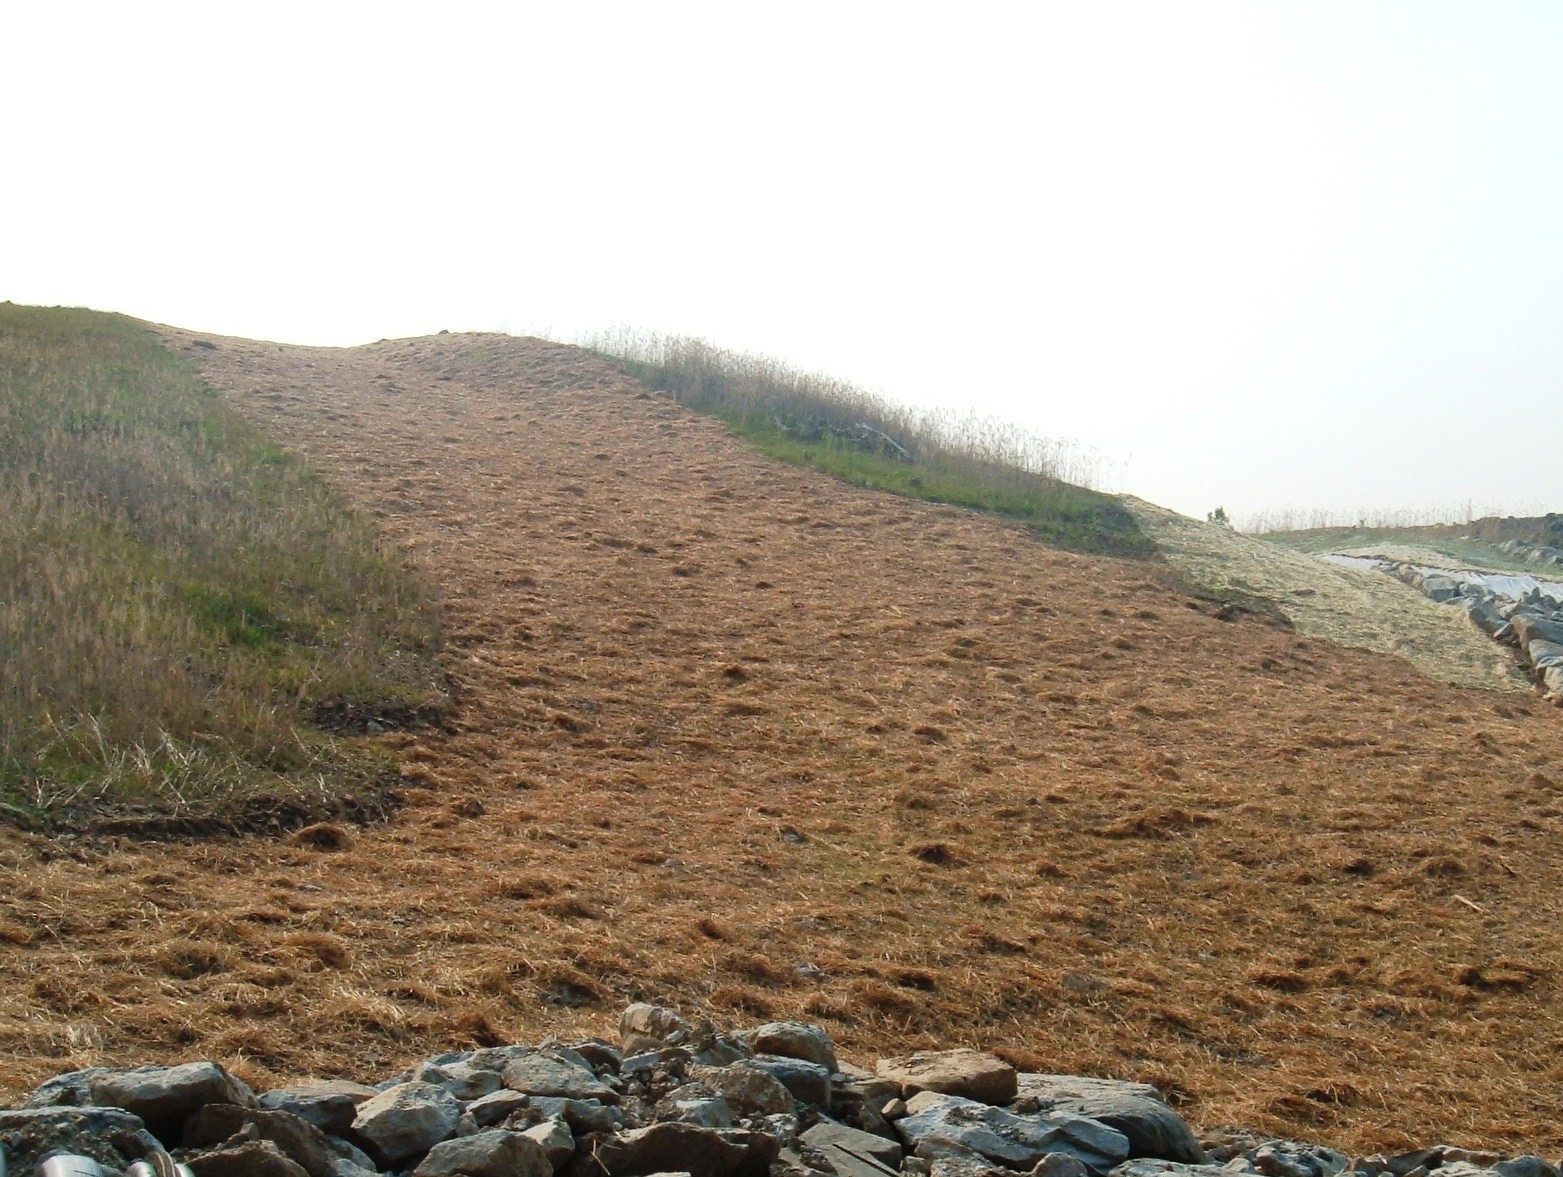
[834, 427]
[179, 597]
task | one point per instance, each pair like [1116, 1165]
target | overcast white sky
[1267, 256]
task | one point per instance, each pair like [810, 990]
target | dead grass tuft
[323, 836]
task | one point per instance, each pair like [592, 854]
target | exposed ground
[739, 738]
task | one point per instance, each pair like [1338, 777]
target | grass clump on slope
[180, 601]
[842, 430]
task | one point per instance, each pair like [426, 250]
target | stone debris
[680, 1098]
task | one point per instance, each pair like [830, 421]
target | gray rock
[1014, 1141]
[1291, 1158]
[1135, 1109]
[828, 1133]
[674, 1060]
[583, 1115]
[303, 1143]
[749, 1091]
[1060, 1164]
[252, 1158]
[1156, 1167]
[498, 1107]
[808, 1082]
[465, 1080]
[703, 1111]
[1526, 1166]
[493, 1153]
[554, 1137]
[329, 1106]
[794, 1040]
[30, 1134]
[406, 1120]
[673, 1147]
[951, 1160]
[598, 1054]
[543, 1074]
[161, 1096]
[872, 1089]
[970, 1074]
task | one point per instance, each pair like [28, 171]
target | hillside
[740, 738]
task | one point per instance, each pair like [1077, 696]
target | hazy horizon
[1255, 256]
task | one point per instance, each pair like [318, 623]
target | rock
[1156, 1167]
[542, 1074]
[492, 1153]
[895, 1109]
[970, 1074]
[1061, 1164]
[406, 1120]
[329, 1106]
[598, 1054]
[493, 1109]
[583, 1115]
[645, 1027]
[794, 1040]
[161, 1096]
[301, 1142]
[253, 1158]
[749, 1091]
[703, 1111]
[27, 1135]
[1526, 1166]
[670, 1147]
[808, 1082]
[465, 1080]
[951, 1160]
[554, 1137]
[1015, 1141]
[1135, 1109]
[669, 1060]
[872, 1089]
[1290, 1158]
[829, 1134]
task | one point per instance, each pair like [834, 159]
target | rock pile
[1518, 610]
[670, 1097]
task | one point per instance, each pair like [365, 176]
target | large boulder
[248, 1158]
[1137, 1110]
[1013, 1141]
[832, 1138]
[161, 1096]
[808, 1082]
[970, 1074]
[406, 1120]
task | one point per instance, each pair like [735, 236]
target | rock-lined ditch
[670, 1097]
[1523, 612]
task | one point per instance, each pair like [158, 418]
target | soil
[744, 740]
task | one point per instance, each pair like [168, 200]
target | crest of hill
[737, 737]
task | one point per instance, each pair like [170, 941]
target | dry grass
[980, 792]
[177, 593]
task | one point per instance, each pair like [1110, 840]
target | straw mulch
[740, 739]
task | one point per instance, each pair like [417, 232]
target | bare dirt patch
[741, 739]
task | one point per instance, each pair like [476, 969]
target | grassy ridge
[178, 597]
[842, 430]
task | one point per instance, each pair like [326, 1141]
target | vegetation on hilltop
[835, 427]
[182, 605]
[1476, 542]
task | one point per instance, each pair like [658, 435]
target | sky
[1279, 258]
